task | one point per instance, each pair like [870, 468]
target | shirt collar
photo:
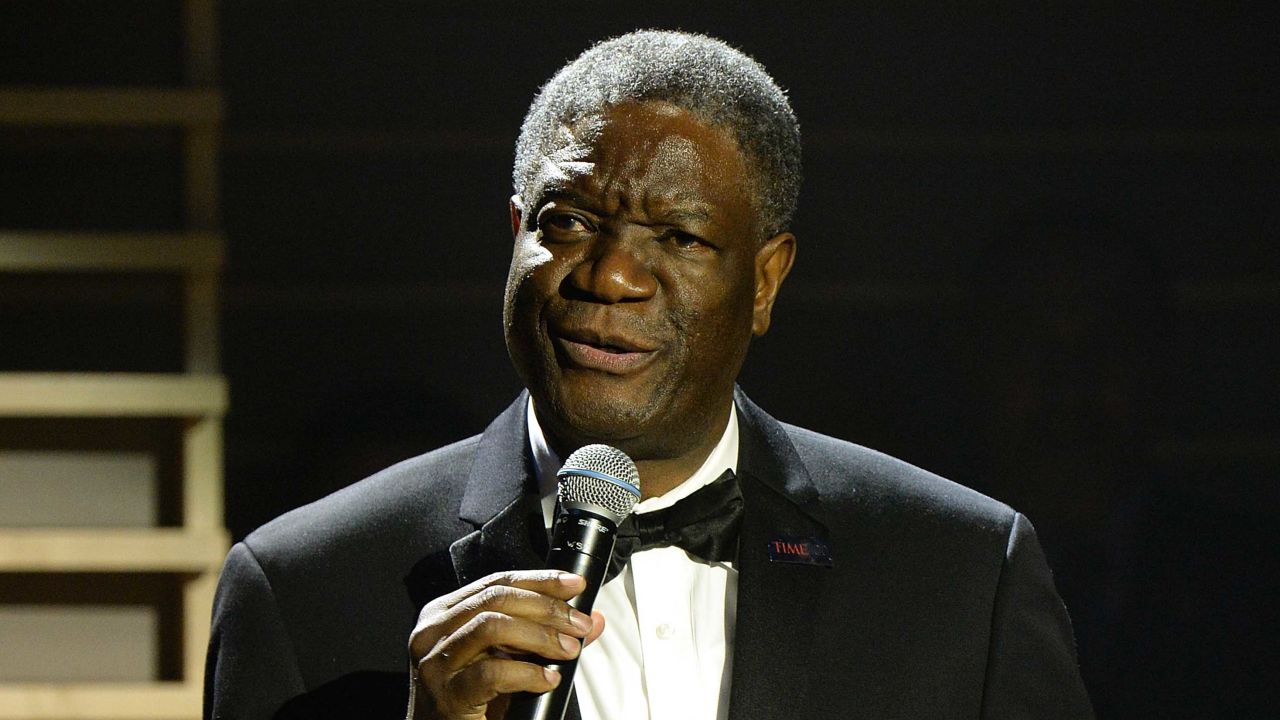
[724, 456]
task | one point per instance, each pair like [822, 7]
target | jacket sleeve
[1032, 670]
[251, 669]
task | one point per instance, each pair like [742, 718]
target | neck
[659, 475]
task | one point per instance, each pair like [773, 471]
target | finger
[530, 605]
[491, 632]
[561, 585]
[597, 627]
[554, 583]
[504, 599]
[479, 683]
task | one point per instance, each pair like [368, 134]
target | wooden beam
[112, 550]
[202, 475]
[122, 701]
[200, 317]
[68, 251]
[197, 608]
[200, 21]
[201, 188]
[111, 395]
[120, 106]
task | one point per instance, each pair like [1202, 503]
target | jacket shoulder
[404, 505]
[845, 472]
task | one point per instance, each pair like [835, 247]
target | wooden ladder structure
[191, 554]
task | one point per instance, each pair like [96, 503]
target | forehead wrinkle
[628, 192]
[653, 176]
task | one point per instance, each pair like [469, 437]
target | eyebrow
[692, 213]
[559, 191]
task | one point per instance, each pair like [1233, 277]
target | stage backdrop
[1038, 255]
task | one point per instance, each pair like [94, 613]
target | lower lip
[591, 357]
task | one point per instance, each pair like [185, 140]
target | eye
[563, 225]
[684, 240]
[567, 223]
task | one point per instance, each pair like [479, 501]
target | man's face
[637, 281]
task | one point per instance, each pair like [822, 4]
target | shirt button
[665, 631]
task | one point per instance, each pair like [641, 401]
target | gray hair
[717, 83]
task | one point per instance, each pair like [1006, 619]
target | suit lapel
[500, 544]
[777, 601]
[501, 502]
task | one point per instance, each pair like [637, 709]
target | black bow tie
[705, 524]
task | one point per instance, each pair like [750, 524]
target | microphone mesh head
[602, 476]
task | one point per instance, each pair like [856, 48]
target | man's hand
[461, 650]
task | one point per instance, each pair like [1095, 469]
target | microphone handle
[581, 543]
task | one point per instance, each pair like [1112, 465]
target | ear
[773, 262]
[517, 214]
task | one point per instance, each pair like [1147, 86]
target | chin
[602, 420]
[643, 430]
[588, 416]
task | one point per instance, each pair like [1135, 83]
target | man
[655, 178]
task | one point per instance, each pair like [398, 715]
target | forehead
[651, 152]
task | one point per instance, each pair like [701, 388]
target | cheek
[720, 322]
[527, 256]
[714, 318]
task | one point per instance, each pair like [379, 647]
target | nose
[614, 271]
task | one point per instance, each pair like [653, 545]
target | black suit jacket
[939, 603]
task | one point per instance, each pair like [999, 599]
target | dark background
[1038, 256]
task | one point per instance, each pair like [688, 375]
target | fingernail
[580, 620]
[552, 676]
[569, 579]
[570, 644]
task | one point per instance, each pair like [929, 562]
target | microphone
[598, 487]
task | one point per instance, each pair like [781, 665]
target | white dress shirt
[666, 651]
